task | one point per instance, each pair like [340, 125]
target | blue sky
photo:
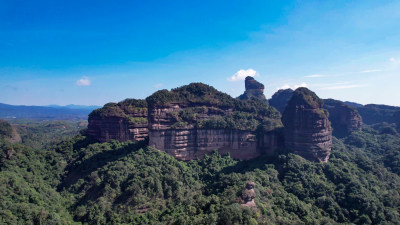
[94, 52]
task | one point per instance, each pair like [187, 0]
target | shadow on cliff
[245, 166]
[82, 168]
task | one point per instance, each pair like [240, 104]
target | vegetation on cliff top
[119, 109]
[224, 112]
[123, 109]
[304, 96]
[194, 93]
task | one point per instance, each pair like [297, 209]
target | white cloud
[370, 71]
[84, 81]
[286, 86]
[395, 61]
[315, 75]
[242, 74]
[338, 87]
[158, 85]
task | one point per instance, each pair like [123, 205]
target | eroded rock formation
[123, 121]
[248, 195]
[254, 89]
[344, 118]
[307, 130]
[192, 121]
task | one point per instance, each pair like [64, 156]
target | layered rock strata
[188, 144]
[344, 118]
[191, 127]
[123, 121]
[307, 130]
[254, 89]
[187, 141]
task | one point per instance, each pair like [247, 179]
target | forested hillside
[79, 181]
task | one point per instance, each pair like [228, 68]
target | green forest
[79, 181]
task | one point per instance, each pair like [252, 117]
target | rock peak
[307, 129]
[254, 89]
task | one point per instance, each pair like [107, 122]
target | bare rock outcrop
[248, 195]
[254, 89]
[344, 118]
[307, 129]
[123, 121]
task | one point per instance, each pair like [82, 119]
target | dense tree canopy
[80, 181]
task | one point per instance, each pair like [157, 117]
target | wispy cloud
[395, 61]
[339, 87]
[370, 71]
[315, 76]
[84, 81]
[159, 85]
[242, 74]
[295, 86]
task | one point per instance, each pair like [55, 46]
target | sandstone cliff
[123, 121]
[344, 118]
[307, 130]
[280, 99]
[254, 89]
[193, 120]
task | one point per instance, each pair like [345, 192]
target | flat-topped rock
[254, 89]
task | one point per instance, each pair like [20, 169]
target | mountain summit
[254, 89]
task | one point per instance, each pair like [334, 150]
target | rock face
[254, 89]
[188, 144]
[248, 195]
[123, 121]
[307, 129]
[344, 118]
[280, 99]
[193, 120]
[191, 127]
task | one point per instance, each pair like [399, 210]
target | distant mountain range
[50, 112]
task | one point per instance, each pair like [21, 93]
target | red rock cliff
[192, 121]
[307, 130]
[123, 121]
